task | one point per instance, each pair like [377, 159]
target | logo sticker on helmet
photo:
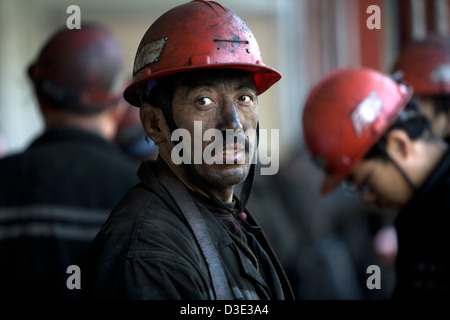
[441, 73]
[149, 53]
[366, 112]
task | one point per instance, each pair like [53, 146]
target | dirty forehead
[210, 78]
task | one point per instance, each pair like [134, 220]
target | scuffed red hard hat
[80, 69]
[198, 35]
[425, 65]
[345, 114]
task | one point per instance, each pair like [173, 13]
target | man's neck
[431, 154]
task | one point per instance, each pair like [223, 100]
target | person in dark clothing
[388, 152]
[147, 250]
[183, 233]
[55, 195]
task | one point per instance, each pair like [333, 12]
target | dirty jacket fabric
[423, 230]
[54, 197]
[146, 250]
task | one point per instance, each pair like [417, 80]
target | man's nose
[230, 115]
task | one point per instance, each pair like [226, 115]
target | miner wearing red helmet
[55, 195]
[183, 233]
[364, 130]
[425, 65]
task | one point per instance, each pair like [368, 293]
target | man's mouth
[233, 154]
[228, 151]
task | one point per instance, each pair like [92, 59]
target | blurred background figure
[131, 137]
[425, 64]
[365, 131]
[324, 243]
[56, 194]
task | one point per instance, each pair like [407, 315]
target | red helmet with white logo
[345, 114]
[198, 35]
[426, 65]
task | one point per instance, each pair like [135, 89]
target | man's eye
[245, 98]
[204, 101]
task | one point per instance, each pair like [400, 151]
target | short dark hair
[441, 103]
[412, 121]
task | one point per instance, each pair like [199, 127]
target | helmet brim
[264, 77]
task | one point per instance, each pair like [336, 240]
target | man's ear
[154, 123]
[399, 145]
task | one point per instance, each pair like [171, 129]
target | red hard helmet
[426, 65]
[345, 114]
[80, 69]
[198, 35]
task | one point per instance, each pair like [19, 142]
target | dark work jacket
[146, 250]
[423, 230]
[54, 197]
